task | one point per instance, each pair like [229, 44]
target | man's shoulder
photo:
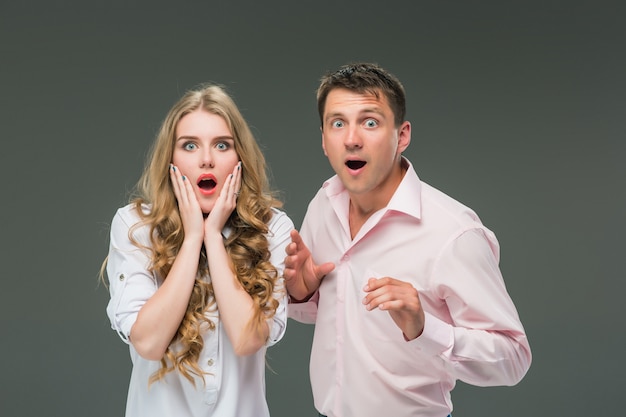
[438, 203]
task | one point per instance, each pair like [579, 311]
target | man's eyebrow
[333, 115]
[374, 109]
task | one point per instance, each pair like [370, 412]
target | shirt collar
[408, 196]
[406, 199]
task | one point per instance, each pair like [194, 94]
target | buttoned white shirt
[361, 364]
[234, 385]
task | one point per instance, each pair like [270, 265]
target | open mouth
[207, 183]
[355, 164]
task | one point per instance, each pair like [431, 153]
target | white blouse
[234, 385]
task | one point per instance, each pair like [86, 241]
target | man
[401, 281]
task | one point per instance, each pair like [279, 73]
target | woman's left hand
[225, 203]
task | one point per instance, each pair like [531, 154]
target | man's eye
[189, 146]
[371, 123]
[337, 123]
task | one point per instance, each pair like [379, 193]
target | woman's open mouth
[207, 184]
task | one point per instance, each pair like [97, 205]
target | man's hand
[302, 276]
[400, 299]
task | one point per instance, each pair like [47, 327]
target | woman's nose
[206, 159]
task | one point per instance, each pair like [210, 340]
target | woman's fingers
[178, 183]
[183, 190]
[188, 206]
[226, 202]
[236, 183]
[174, 179]
[230, 191]
[237, 174]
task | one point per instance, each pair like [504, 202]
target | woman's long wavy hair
[247, 245]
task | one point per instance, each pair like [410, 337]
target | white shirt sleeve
[279, 237]
[130, 282]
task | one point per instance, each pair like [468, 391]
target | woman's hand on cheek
[188, 206]
[225, 203]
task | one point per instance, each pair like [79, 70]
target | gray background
[518, 110]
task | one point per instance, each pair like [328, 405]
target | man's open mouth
[355, 164]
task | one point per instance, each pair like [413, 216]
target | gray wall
[518, 110]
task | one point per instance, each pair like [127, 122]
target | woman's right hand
[188, 206]
[160, 317]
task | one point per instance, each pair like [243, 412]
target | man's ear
[404, 136]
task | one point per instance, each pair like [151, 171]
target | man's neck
[363, 206]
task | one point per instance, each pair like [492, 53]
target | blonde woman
[195, 267]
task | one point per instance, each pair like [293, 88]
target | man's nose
[353, 139]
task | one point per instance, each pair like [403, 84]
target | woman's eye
[222, 146]
[189, 146]
[337, 123]
[371, 123]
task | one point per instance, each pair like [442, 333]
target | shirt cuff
[303, 312]
[437, 337]
[122, 327]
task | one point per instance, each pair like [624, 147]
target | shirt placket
[211, 365]
[343, 277]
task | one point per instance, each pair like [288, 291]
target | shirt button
[210, 362]
[122, 277]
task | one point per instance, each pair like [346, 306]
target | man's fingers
[390, 292]
[325, 269]
[290, 249]
[295, 237]
[376, 283]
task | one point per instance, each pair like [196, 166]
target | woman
[195, 267]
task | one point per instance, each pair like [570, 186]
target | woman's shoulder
[278, 215]
[127, 218]
[129, 213]
[280, 221]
